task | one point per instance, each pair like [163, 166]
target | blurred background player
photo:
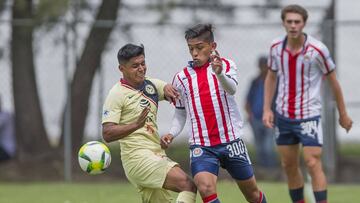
[7, 135]
[263, 136]
[129, 116]
[207, 86]
[299, 62]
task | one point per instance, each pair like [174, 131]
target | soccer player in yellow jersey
[129, 116]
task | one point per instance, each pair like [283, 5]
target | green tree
[31, 135]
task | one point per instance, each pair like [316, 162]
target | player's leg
[237, 162]
[251, 191]
[178, 181]
[205, 168]
[312, 157]
[206, 184]
[287, 141]
[289, 156]
[311, 136]
[148, 171]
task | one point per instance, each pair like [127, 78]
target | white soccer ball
[94, 157]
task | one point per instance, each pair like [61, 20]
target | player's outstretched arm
[170, 92]
[113, 131]
[344, 119]
[177, 124]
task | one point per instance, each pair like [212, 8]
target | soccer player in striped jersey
[299, 62]
[207, 86]
[129, 117]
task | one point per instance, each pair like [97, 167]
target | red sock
[211, 199]
[262, 198]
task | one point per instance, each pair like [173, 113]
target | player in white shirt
[207, 86]
[299, 62]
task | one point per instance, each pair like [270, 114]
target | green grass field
[126, 193]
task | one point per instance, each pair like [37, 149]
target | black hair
[262, 60]
[202, 31]
[128, 51]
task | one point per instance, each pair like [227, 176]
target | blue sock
[321, 196]
[297, 195]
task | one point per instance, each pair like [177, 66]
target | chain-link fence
[166, 53]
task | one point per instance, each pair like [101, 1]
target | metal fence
[166, 53]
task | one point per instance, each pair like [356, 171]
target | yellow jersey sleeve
[159, 84]
[113, 106]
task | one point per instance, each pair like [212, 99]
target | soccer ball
[94, 157]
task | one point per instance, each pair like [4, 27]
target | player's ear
[121, 67]
[213, 45]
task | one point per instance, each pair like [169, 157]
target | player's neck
[294, 45]
[131, 83]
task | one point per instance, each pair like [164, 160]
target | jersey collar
[192, 65]
[125, 83]
[303, 47]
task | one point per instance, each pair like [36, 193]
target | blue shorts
[308, 132]
[231, 156]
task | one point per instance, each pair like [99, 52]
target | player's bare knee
[186, 184]
[312, 164]
[206, 188]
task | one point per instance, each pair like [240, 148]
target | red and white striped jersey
[214, 115]
[300, 77]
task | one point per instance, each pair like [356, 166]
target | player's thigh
[155, 195]
[284, 132]
[148, 169]
[236, 161]
[203, 159]
[289, 155]
[177, 180]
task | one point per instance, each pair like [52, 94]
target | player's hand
[345, 122]
[216, 62]
[166, 140]
[268, 118]
[140, 122]
[170, 92]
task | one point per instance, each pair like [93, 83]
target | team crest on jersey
[149, 89]
[307, 58]
[197, 152]
[144, 103]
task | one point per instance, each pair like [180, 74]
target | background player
[129, 116]
[299, 61]
[207, 87]
[263, 136]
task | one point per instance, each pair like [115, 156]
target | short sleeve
[159, 84]
[326, 63]
[272, 62]
[112, 107]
